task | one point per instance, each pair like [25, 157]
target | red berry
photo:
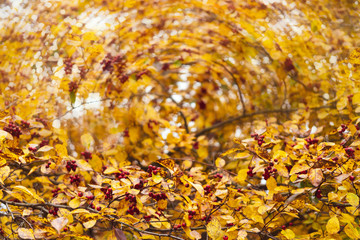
[80, 194]
[283, 227]
[225, 237]
[291, 224]
[352, 178]
[98, 208]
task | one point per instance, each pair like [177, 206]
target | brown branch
[236, 118]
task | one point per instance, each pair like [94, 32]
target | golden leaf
[87, 140]
[333, 225]
[74, 203]
[26, 233]
[315, 176]
[89, 224]
[352, 199]
[168, 163]
[214, 229]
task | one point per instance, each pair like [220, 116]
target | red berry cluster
[87, 155]
[230, 224]
[259, 138]
[91, 205]
[218, 175]
[350, 152]
[202, 105]
[130, 198]
[151, 123]
[71, 165]
[68, 65]
[92, 197]
[157, 196]
[343, 129]
[250, 173]
[13, 129]
[140, 185]
[349, 97]
[24, 124]
[153, 170]
[33, 149]
[269, 171]
[133, 208]
[207, 189]
[35, 135]
[121, 174]
[191, 214]
[54, 211]
[288, 65]
[109, 61]
[75, 179]
[43, 143]
[73, 86]
[147, 217]
[43, 121]
[108, 193]
[48, 164]
[318, 193]
[82, 72]
[196, 145]
[55, 192]
[179, 226]
[207, 219]
[310, 141]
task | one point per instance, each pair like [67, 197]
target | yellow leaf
[195, 234]
[84, 166]
[198, 187]
[90, 36]
[299, 167]
[5, 135]
[168, 163]
[341, 104]
[110, 170]
[61, 150]
[271, 184]
[220, 162]
[45, 149]
[59, 223]
[288, 233]
[354, 57]
[356, 98]
[27, 191]
[26, 233]
[333, 225]
[87, 140]
[157, 178]
[315, 176]
[89, 224]
[351, 231]
[214, 229]
[74, 203]
[352, 199]
[134, 134]
[230, 151]
[242, 175]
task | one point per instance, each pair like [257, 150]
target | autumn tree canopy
[179, 119]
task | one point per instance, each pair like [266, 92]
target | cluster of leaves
[118, 117]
